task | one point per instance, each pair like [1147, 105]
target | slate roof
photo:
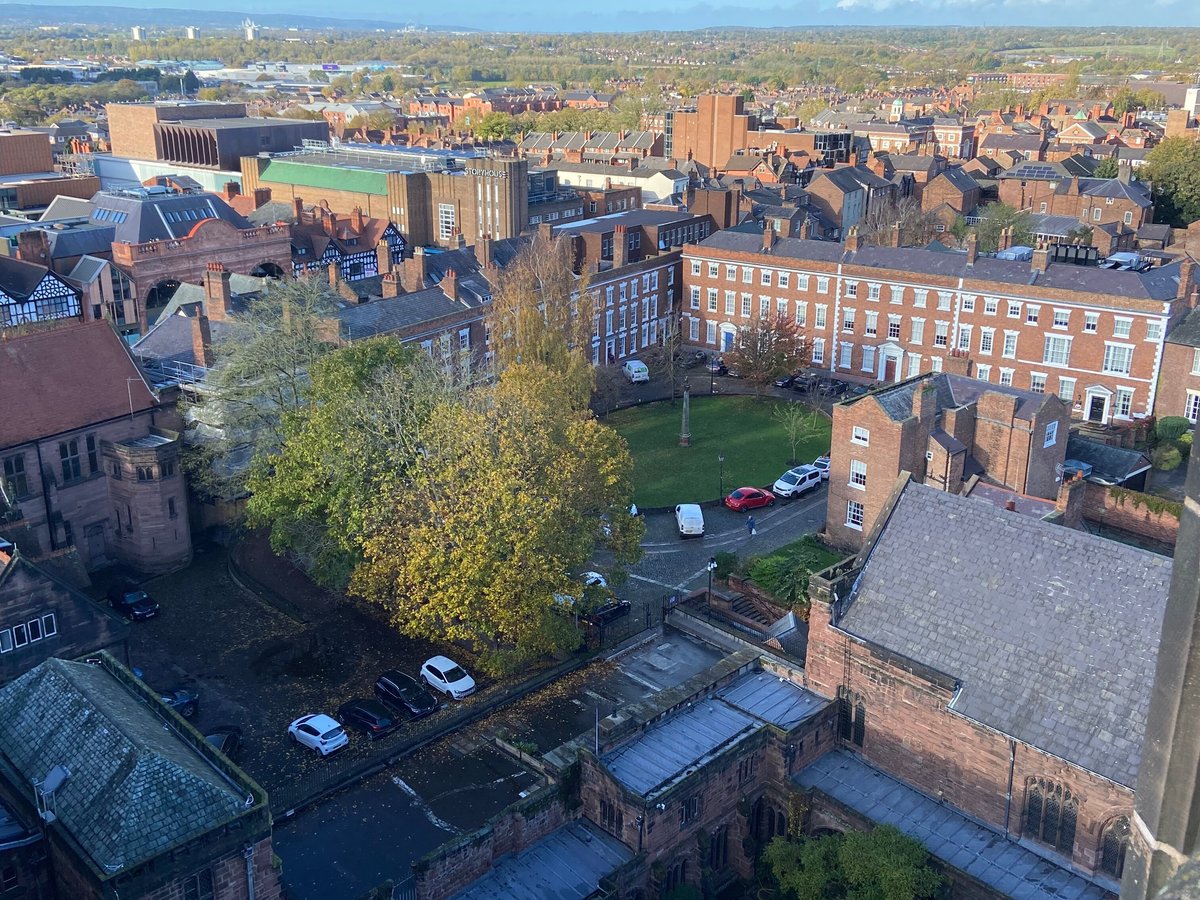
[394, 314]
[135, 788]
[141, 215]
[983, 852]
[1160, 283]
[959, 180]
[1021, 142]
[1051, 634]
[1110, 465]
[19, 279]
[67, 378]
[1186, 332]
[952, 392]
[567, 864]
[66, 208]
[683, 741]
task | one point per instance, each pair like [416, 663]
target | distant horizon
[479, 15]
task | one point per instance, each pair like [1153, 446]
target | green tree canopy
[1173, 169]
[881, 864]
[995, 219]
[1107, 168]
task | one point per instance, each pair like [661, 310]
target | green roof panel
[334, 178]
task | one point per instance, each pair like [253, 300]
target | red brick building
[945, 430]
[1092, 336]
[1093, 201]
[967, 643]
[1179, 380]
[93, 463]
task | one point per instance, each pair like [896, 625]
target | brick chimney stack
[330, 223]
[805, 229]
[484, 252]
[218, 295]
[33, 246]
[620, 246]
[1187, 270]
[201, 341]
[230, 190]
[262, 196]
[298, 209]
[1041, 259]
[851, 241]
[972, 248]
[416, 270]
[357, 222]
[449, 284]
[924, 403]
[383, 257]
[768, 236]
[1005, 237]
[894, 235]
[391, 286]
[1070, 500]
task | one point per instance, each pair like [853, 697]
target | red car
[749, 498]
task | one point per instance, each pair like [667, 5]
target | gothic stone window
[852, 717]
[1113, 844]
[1050, 811]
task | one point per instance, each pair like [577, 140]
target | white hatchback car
[821, 464]
[444, 674]
[319, 732]
[795, 482]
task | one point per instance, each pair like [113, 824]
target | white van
[690, 520]
[795, 482]
[635, 370]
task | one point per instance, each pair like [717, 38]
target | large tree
[362, 425]
[996, 218]
[1173, 169]
[881, 864]
[768, 348]
[917, 227]
[263, 356]
[510, 494]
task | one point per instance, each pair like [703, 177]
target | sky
[629, 15]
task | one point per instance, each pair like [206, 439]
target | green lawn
[755, 447]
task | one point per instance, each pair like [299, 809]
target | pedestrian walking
[751, 526]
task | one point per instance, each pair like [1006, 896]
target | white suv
[795, 482]
[635, 370]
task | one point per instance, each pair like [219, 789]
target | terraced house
[1092, 336]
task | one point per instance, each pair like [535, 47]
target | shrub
[1166, 457]
[726, 563]
[1170, 428]
[1184, 443]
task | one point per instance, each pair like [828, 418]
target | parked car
[226, 738]
[857, 391]
[636, 371]
[183, 701]
[805, 384]
[319, 732]
[691, 360]
[795, 482]
[404, 692]
[717, 366]
[609, 612]
[445, 675]
[821, 464]
[593, 579]
[788, 381]
[745, 498]
[832, 387]
[372, 716]
[690, 520]
[130, 600]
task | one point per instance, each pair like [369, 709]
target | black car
[609, 612]
[788, 381]
[132, 601]
[404, 692]
[691, 360]
[371, 716]
[226, 738]
[183, 701]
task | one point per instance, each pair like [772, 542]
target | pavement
[372, 832]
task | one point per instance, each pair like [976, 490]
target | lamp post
[712, 375]
[721, 476]
[712, 567]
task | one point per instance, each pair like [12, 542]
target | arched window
[1113, 844]
[1050, 811]
[852, 717]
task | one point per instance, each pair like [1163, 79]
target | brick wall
[1131, 511]
[455, 865]
[911, 734]
[1177, 382]
[25, 152]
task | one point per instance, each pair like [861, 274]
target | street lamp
[712, 567]
[721, 476]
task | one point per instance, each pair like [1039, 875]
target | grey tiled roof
[395, 313]
[135, 789]
[1052, 634]
[1110, 465]
[1187, 332]
[983, 852]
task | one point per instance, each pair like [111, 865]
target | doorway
[1097, 410]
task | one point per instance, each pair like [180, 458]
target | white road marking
[423, 806]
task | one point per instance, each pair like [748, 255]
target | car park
[131, 601]
[821, 464]
[226, 738]
[636, 371]
[372, 716]
[445, 675]
[403, 692]
[795, 482]
[319, 732]
[608, 612]
[183, 701]
[746, 498]
[689, 519]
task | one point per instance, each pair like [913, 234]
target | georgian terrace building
[1092, 336]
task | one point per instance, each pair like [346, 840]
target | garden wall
[1132, 511]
